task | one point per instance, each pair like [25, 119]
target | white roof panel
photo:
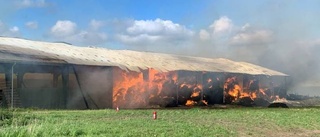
[125, 59]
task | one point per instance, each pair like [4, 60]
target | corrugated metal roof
[125, 59]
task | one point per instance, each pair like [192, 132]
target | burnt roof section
[14, 49]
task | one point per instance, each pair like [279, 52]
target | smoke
[275, 34]
[266, 47]
[90, 87]
[280, 38]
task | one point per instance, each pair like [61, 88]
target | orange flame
[132, 89]
[204, 102]
[209, 80]
[195, 94]
[190, 103]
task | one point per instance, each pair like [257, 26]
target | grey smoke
[280, 38]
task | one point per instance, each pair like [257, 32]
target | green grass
[170, 122]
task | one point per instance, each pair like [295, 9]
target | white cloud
[14, 29]
[64, 28]
[31, 25]
[219, 31]
[91, 38]
[204, 35]
[157, 27]
[156, 32]
[245, 27]
[223, 24]
[96, 24]
[9, 32]
[224, 32]
[139, 38]
[31, 3]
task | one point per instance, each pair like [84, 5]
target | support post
[112, 84]
[285, 86]
[272, 85]
[55, 80]
[146, 78]
[224, 89]
[201, 82]
[65, 86]
[259, 80]
[240, 82]
[7, 76]
[20, 79]
[146, 74]
[177, 89]
[12, 84]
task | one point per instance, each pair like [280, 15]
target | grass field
[171, 122]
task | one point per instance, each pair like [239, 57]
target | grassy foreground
[170, 122]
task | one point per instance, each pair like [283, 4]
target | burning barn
[59, 75]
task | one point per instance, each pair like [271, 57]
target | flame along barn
[59, 75]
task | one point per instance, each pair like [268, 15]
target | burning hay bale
[214, 96]
[203, 103]
[169, 102]
[196, 103]
[245, 101]
[172, 89]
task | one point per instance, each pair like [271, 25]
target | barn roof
[20, 50]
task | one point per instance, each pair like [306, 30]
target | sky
[280, 34]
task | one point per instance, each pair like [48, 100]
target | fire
[125, 84]
[252, 90]
[134, 89]
[185, 84]
[232, 87]
[278, 99]
[196, 90]
[195, 94]
[151, 87]
[262, 91]
[156, 80]
[204, 102]
[233, 93]
[253, 95]
[190, 103]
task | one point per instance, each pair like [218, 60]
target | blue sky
[114, 16]
[279, 34]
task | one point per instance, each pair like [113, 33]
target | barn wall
[90, 87]
[48, 98]
[33, 85]
[280, 85]
[213, 87]
[37, 87]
